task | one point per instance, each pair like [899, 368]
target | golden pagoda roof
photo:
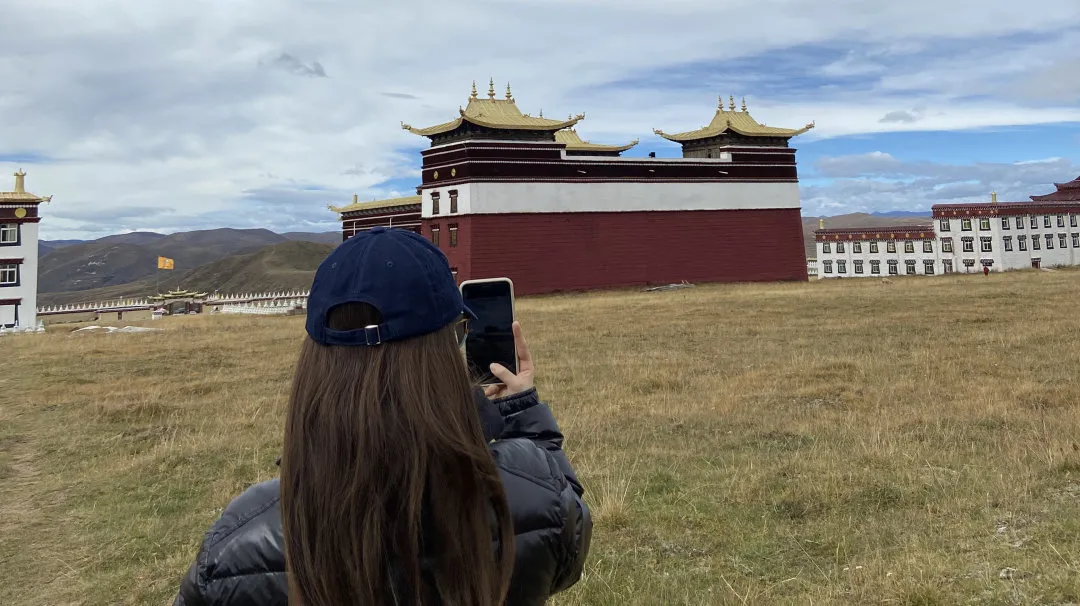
[20, 194]
[740, 122]
[494, 113]
[177, 294]
[574, 142]
[375, 204]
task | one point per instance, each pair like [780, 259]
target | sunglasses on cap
[461, 330]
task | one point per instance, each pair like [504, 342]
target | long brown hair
[389, 494]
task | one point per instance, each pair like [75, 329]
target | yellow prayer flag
[164, 263]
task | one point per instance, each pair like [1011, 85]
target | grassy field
[847, 442]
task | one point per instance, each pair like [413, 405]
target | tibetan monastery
[19, 255]
[504, 193]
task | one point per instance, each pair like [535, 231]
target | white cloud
[222, 113]
[879, 182]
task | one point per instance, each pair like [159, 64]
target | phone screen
[491, 335]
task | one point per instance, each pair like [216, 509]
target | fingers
[524, 357]
[502, 373]
[492, 390]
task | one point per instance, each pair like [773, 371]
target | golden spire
[744, 104]
[509, 97]
[473, 95]
[720, 102]
[732, 106]
[993, 197]
[821, 223]
[20, 185]
[491, 88]
[355, 198]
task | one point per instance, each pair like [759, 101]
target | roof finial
[355, 198]
[993, 197]
[720, 102]
[541, 112]
[732, 106]
[821, 222]
[473, 95]
[509, 97]
[491, 88]
[744, 104]
[20, 185]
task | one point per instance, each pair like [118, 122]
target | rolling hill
[126, 258]
[810, 224]
[288, 265]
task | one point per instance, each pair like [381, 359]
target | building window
[434, 202]
[928, 246]
[893, 268]
[1005, 223]
[1076, 240]
[1049, 241]
[453, 235]
[841, 267]
[969, 245]
[890, 246]
[858, 267]
[984, 224]
[1021, 241]
[986, 244]
[1034, 222]
[873, 247]
[1007, 243]
[1061, 241]
[910, 267]
[969, 263]
[946, 266]
[1061, 220]
[946, 245]
[856, 247]
[1046, 221]
[827, 265]
[839, 247]
[826, 247]
[9, 234]
[928, 267]
[435, 235]
[1072, 220]
[9, 275]
[875, 267]
[1019, 223]
[1035, 245]
[453, 201]
[909, 246]
[965, 224]
[944, 224]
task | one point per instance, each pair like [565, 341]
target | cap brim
[468, 312]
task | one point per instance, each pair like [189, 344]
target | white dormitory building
[961, 238]
[19, 256]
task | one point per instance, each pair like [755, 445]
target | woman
[400, 482]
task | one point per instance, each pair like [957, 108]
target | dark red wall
[547, 252]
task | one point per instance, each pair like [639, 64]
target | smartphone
[491, 334]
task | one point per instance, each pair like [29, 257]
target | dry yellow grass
[824, 443]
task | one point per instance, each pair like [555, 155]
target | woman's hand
[513, 384]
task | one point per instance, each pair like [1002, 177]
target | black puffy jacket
[241, 560]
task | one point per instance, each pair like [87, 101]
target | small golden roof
[740, 122]
[574, 142]
[495, 113]
[20, 194]
[375, 204]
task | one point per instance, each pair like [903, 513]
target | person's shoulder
[247, 539]
[522, 460]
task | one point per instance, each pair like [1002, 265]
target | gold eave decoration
[495, 114]
[574, 142]
[20, 213]
[737, 121]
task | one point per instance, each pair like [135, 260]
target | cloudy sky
[167, 116]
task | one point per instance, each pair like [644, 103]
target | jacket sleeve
[527, 417]
[190, 594]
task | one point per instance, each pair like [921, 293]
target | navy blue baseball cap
[396, 271]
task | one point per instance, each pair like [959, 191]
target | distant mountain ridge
[71, 266]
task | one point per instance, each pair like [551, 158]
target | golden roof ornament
[491, 88]
[732, 105]
[720, 102]
[509, 97]
[20, 183]
[473, 94]
[821, 223]
[541, 112]
[744, 104]
[993, 197]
